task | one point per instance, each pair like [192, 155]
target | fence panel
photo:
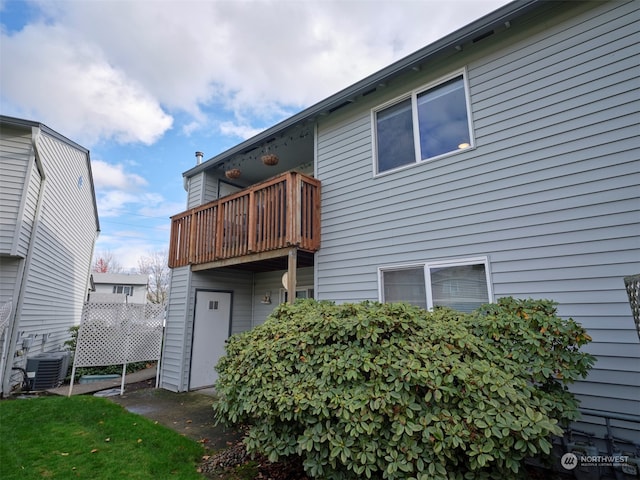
[119, 333]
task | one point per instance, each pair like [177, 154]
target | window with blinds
[462, 284]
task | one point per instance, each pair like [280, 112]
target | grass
[89, 437]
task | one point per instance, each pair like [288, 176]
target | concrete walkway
[148, 374]
[188, 413]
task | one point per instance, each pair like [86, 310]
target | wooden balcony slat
[251, 233]
[269, 218]
[280, 212]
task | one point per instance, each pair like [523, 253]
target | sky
[144, 84]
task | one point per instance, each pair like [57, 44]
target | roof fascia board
[469, 32]
[42, 128]
[20, 122]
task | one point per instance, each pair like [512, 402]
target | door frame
[193, 322]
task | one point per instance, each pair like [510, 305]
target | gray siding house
[48, 227]
[117, 288]
[501, 160]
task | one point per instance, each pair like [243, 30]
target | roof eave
[29, 124]
[463, 35]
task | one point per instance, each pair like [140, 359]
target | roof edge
[29, 124]
[21, 122]
[504, 14]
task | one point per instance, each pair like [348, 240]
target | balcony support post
[292, 268]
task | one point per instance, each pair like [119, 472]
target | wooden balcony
[261, 222]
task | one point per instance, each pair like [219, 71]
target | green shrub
[392, 391]
[530, 333]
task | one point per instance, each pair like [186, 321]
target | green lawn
[89, 437]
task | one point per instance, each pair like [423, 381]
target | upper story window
[126, 289]
[431, 122]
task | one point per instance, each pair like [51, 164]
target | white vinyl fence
[118, 334]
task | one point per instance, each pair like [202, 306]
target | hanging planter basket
[233, 173]
[270, 159]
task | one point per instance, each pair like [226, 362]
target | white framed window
[301, 292]
[126, 289]
[405, 284]
[427, 123]
[462, 284]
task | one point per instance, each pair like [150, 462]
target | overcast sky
[144, 84]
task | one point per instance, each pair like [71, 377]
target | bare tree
[106, 262]
[156, 265]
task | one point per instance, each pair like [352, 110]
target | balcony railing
[278, 213]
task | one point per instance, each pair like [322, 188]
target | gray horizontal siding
[15, 155]
[195, 187]
[29, 211]
[60, 259]
[179, 328]
[247, 311]
[272, 282]
[9, 271]
[550, 193]
[173, 350]
[238, 282]
[584, 52]
[210, 188]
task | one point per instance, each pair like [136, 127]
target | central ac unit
[47, 370]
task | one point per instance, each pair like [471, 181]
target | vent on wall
[47, 370]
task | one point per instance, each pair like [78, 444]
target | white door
[211, 323]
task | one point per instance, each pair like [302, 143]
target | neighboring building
[501, 160]
[117, 288]
[49, 227]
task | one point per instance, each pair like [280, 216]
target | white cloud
[134, 226]
[243, 131]
[158, 207]
[128, 71]
[113, 69]
[128, 247]
[60, 78]
[121, 193]
[108, 176]
[129, 205]
[115, 203]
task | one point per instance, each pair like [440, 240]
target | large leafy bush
[392, 391]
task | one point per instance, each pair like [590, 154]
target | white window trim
[381, 270]
[123, 287]
[427, 274]
[413, 94]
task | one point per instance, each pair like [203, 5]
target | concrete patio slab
[145, 375]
